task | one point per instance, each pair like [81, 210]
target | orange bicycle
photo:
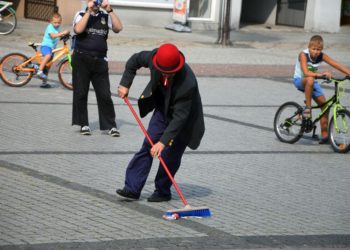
[16, 69]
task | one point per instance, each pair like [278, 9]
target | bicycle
[289, 124]
[16, 69]
[8, 19]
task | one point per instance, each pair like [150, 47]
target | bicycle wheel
[339, 131]
[288, 122]
[65, 74]
[9, 74]
[8, 21]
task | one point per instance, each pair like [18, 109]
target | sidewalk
[253, 45]
[57, 187]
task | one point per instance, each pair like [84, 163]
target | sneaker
[36, 67]
[114, 132]
[45, 85]
[324, 140]
[85, 130]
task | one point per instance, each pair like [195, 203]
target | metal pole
[221, 22]
[227, 29]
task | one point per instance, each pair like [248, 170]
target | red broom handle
[159, 157]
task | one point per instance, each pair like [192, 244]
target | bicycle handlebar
[65, 38]
[333, 79]
[6, 4]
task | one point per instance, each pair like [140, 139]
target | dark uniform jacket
[182, 105]
[93, 41]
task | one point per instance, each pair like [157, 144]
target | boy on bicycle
[50, 40]
[304, 79]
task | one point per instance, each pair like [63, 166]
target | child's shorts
[45, 50]
[317, 91]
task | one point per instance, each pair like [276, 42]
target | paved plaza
[57, 187]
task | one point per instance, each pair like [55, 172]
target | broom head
[188, 211]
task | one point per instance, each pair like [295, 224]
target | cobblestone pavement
[57, 188]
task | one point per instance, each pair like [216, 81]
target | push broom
[187, 211]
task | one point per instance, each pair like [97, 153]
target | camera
[98, 2]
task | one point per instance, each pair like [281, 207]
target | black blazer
[182, 104]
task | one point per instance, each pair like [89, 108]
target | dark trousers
[85, 69]
[140, 165]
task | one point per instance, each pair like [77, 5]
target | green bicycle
[289, 124]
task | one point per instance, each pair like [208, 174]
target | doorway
[291, 12]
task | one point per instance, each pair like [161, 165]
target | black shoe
[127, 194]
[155, 197]
[324, 140]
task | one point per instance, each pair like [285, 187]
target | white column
[323, 16]
[236, 8]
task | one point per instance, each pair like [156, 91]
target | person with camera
[90, 64]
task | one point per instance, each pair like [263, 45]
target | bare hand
[122, 91]
[105, 5]
[157, 149]
[91, 5]
[327, 74]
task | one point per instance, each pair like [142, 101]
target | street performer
[177, 121]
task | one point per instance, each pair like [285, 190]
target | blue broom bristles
[189, 212]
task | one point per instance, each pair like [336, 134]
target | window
[168, 4]
[202, 10]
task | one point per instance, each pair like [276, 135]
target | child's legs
[319, 97]
[324, 119]
[317, 94]
[47, 52]
[44, 61]
[305, 85]
[308, 84]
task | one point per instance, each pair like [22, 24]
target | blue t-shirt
[47, 40]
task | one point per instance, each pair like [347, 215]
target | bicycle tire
[8, 21]
[8, 73]
[65, 74]
[287, 123]
[340, 139]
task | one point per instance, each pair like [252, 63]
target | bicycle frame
[332, 101]
[58, 53]
[328, 105]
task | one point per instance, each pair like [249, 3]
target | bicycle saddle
[34, 45]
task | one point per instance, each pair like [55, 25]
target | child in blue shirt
[50, 40]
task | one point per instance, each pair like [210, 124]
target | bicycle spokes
[339, 131]
[342, 128]
[288, 123]
[10, 71]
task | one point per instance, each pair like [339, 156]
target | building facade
[312, 15]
